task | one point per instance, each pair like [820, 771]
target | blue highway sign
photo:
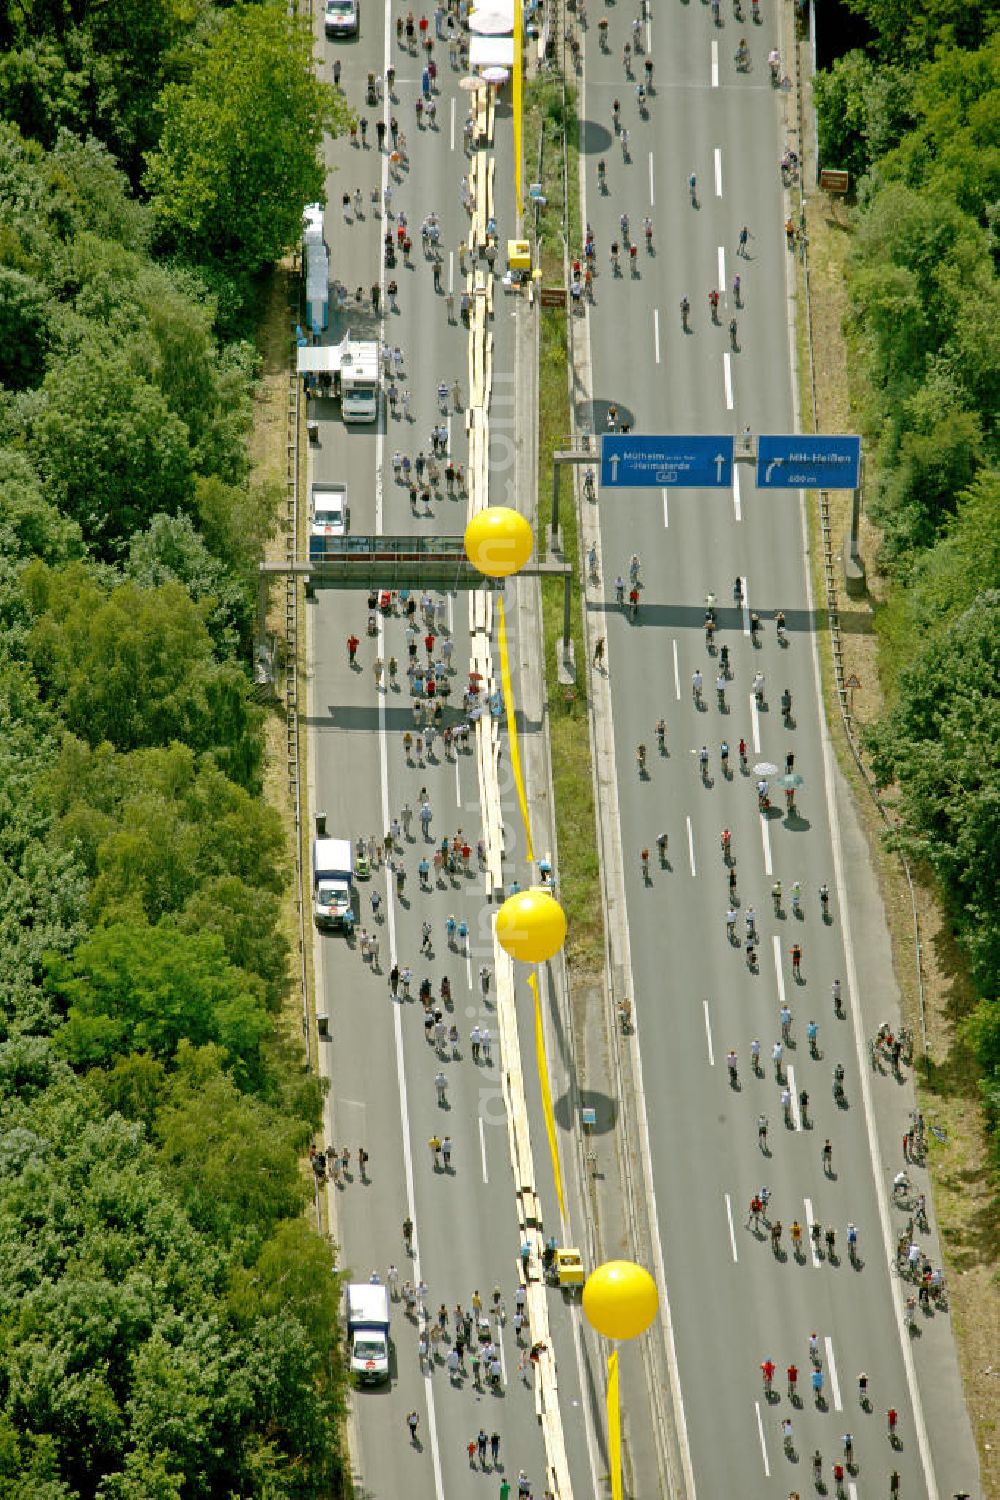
[647, 460]
[808, 463]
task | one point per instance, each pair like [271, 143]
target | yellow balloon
[531, 926]
[620, 1299]
[498, 541]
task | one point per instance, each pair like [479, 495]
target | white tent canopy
[491, 51]
[491, 23]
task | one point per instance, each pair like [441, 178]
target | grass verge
[548, 120]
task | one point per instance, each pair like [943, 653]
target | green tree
[24, 328]
[913, 32]
[131, 987]
[30, 525]
[232, 1160]
[861, 108]
[110, 447]
[239, 154]
[940, 745]
[135, 667]
[171, 549]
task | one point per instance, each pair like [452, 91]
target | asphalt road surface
[734, 1302]
[382, 1068]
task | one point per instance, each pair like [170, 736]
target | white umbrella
[496, 75]
[765, 768]
[471, 83]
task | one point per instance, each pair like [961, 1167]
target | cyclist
[616, 110]
[767, 1370]
[848, 1442]
[852, 1240]
[703, 762]
[731, 1065]
[792, 1375]
[817, 1384]
[814, 1348]
[755, 1056]
[779, 621]
[619, 590]
[644, 859]
[696, 683]
[824, 898]
[623, 226]
[835, 994]
[602, 170]
[661, 735]
[796, 1233]
[817, 1468]
[726, 839]
[812, 1032]
[776, 897]
[633, 568]
[661, 846]
[640, 755]
[647, 229]
[693, 189]
[863, 1389]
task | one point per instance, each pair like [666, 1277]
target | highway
[734, 1302]
[381, 1065]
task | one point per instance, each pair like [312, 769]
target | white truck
[333, 883]
[368, 1331]
[328, 518]
[359, 379]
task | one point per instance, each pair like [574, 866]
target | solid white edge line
[708, 1036]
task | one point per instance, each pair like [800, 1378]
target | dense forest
[168, 1322]
[916, 119]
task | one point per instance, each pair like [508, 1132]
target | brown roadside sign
[834, 181]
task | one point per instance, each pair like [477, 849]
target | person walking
[434, 1145]
[599, 652]
[412, 1422]
[394, 980]
[446, 1152]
